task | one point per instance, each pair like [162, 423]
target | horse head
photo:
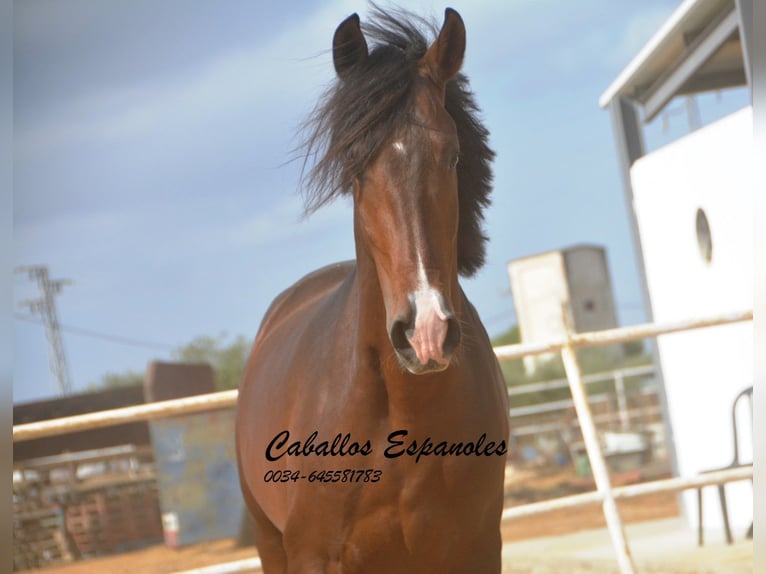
[406, 205]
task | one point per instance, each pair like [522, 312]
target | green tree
[633, 348]
[513, 371]
[227, 359]
[511, 336]
[114, 380]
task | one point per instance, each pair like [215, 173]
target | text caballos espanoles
[397, 445]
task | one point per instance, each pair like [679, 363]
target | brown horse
[372, 418]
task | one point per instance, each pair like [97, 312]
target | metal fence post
[593, 448]
[622, 402]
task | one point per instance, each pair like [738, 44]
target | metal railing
[604, 492]
[617, 377]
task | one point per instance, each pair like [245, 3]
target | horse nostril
[398, 334]
[452, 338]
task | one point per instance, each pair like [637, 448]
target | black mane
[359, 113]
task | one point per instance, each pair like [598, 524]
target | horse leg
[484, 556]
[268, 538]
[269, 542]
[491, 561]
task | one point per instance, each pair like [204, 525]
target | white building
[576, 277]
[691, 209]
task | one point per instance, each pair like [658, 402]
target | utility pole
[46, 307]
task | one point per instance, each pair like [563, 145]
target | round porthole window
[704, 241]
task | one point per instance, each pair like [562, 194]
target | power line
[99, 335]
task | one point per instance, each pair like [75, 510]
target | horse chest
[422, 532]
[431, 512]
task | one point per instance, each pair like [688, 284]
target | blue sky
[152, 142]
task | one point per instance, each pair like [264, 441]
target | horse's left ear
[445, 56]
[349, 48]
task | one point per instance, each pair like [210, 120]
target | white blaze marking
[426, 297]
[399, 146]
[422, 279]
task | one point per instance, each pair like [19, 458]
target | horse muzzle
[426, 337]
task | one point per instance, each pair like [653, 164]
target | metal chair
[736, 463]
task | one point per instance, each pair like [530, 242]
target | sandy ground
[522, 486]
[666, 546]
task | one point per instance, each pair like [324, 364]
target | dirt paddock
[522, 487]
[161, 559]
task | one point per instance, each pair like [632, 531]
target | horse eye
[454, 161]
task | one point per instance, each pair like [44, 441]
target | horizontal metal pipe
[221, 399]
[562, 405]
[522, 430]
[680, 483]
[145, 412]
[607, 376]
[619, 335]
[667, 485]
[244, 565]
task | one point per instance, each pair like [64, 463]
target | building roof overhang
[697, 49]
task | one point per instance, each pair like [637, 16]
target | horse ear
[349, 48]
[445, 56]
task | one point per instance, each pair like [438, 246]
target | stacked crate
[87, 523]
[58, 524]
[38, 532]
[115, 519]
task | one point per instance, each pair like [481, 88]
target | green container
[582, 465]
